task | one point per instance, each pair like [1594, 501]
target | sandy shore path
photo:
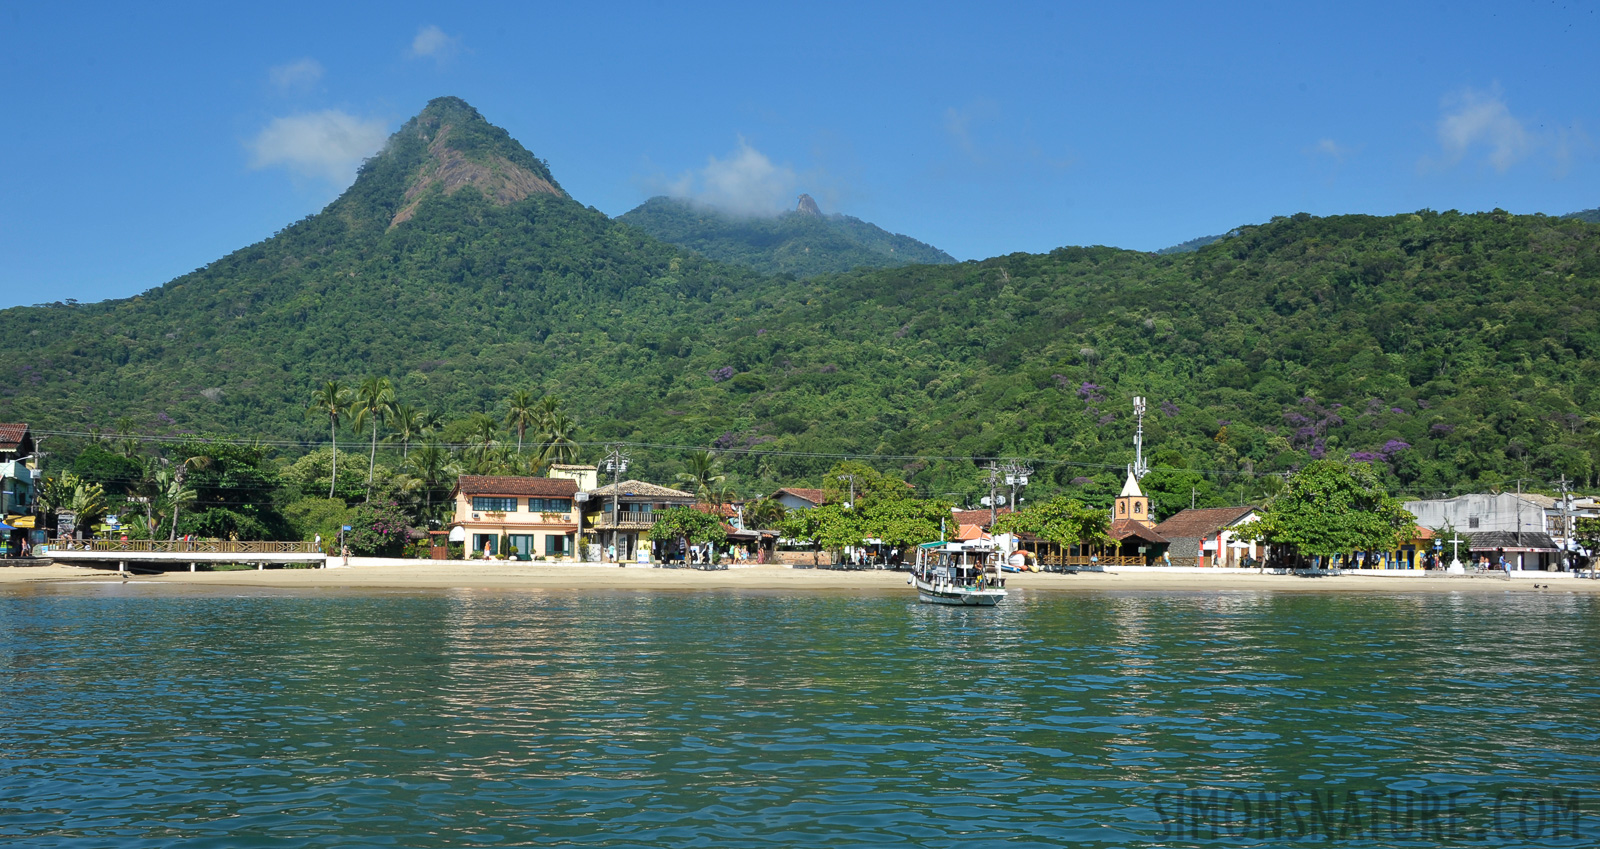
[414, 574]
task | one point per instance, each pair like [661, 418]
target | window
[521, 544]
[1472, 521]
[485, 542]
[549, 505]
[1138, 507]
[493, 504]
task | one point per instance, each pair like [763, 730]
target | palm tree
[766, 513]
[559, 446]
[522, 413]
[130, 446]
[374, 401]
[480, 454]
[333, 401]
[433, 465]
[407, 424]
[704, 476]
[179, 494]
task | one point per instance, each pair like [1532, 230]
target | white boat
[963, 574]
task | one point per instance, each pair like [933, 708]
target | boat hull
[958, 596]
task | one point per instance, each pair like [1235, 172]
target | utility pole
[616, 464]
[994, 480]
[851, 479]
[1566, 524]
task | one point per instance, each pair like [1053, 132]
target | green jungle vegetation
[1590, 215]
[794, 243]
[1449, 352]
[1191, 245]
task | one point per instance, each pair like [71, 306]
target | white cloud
[329, 145]
[432, 42]
[299, 74]
[745, 182]
[1331, 149]
[1478, 123]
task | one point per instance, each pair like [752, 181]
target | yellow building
[536, 516]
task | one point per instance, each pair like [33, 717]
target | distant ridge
[1193, 244]
[1590, 215]
[804, 242]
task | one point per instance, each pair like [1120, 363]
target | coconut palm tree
[405, 426]
[522, 414]
[559, 446]
[374, 400]
[434, 466]
[704, 476]
[178, 493]
[333, 401]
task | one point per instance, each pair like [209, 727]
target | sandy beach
[414, 574]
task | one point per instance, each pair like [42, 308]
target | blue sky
[145, 140]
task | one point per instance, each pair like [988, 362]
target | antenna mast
[1138, 469]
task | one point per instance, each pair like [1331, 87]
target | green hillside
[1590, 215]
[802, 243]
[1451, 351]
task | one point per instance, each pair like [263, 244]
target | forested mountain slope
[1452, 350]
[802, 242]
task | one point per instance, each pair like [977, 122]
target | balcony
[626, 520]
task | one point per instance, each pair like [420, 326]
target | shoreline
[434, 575]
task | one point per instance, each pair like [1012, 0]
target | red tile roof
[977, 517]
[503, 485]
[1122, 529]
[815, 496]
[11, 435]
[1202, 522]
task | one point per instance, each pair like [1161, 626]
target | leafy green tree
[333, 401]
[687, 524]
[1061, 520]
[310, 517]
[1333, 508]
[378, 529]
[111, 469]
[1173, 490]
[374, 401]
[902, 522]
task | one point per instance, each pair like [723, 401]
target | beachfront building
[516, 516]
[622, 514]
[17, 475]
[1136, 537]
[1494, 525]
[796, 498]
[586, 477]
[1209, 536]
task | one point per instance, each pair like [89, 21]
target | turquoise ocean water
[151, 716]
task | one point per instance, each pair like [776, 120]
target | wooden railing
[1058, 561]
[627, 520]
[178, 546]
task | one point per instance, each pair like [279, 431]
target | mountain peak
[808, 206]
[446, 147]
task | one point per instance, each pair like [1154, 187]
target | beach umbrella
[6, 527]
